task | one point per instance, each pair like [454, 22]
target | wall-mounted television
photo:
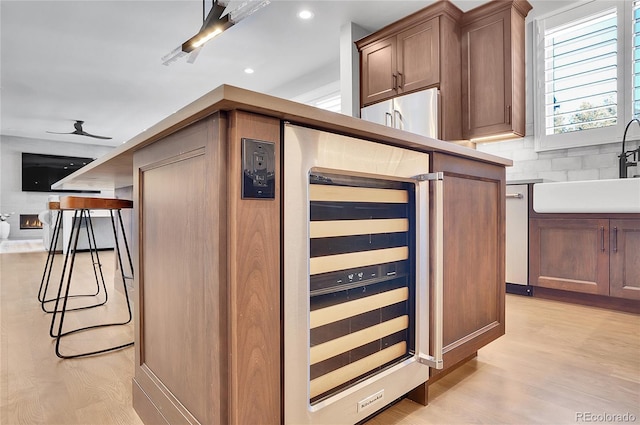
[40, 171]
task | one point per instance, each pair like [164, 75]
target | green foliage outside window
[586, 117]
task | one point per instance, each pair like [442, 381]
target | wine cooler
[356, 268]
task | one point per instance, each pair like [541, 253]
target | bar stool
[54, 206]
[82, 207]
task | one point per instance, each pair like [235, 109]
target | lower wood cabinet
[208, 279]
[571, 255]
[593, 256]
[473, 260]
[624, 260]
[474, 249]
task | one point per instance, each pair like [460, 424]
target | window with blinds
[586, 73]
[581, 74]
[636, 58]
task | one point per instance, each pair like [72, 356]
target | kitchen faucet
[624, 163]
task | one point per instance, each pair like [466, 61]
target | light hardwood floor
[39, 388]
[557, 364]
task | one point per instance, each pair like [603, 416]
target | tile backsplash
[584, 163]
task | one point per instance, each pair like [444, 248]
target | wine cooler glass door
[361, 280]
[356, 296]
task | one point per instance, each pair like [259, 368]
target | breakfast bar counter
[210, 308]
[115, 169]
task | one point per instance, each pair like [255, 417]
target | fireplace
[30, 221]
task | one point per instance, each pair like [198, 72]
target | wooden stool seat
[82, 203]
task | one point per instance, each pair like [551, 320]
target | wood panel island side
[208, 262]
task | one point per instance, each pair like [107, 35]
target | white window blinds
[580, 69]
[636, 58]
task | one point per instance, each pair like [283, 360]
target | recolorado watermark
[586, 417]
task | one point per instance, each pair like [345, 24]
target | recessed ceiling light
[248, 71]
[305, 14]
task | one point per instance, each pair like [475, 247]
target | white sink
[589, 196]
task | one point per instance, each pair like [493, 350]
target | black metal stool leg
[90, 238]
[126, 245]
[44, 283]
[95, 262]
[122, 274]
[62, 334]
[75, 233]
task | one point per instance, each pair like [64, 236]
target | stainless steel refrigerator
[415, 112]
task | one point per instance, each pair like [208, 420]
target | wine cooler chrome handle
[437, 265]
[515, 195]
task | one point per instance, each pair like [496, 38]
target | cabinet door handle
[602, 238]
[515, 195]
[397, 120]
[395, 82]
[401, 79]
[390, 119]
[508, 111]
[615, 239]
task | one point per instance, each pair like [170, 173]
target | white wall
[350, 68]
[321, 77]
[12, 198]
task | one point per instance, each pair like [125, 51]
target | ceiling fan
[80, 132]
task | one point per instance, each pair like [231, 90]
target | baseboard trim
[144, 407]
[611, 303]
[513, 288]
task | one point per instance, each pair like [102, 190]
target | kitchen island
[208, 256]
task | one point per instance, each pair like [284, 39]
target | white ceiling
[99, 61]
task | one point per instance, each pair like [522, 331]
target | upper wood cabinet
[417, 52]
[401, 63]
[418, 56]
[476, 59]
[379, 75]
[493, 70]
